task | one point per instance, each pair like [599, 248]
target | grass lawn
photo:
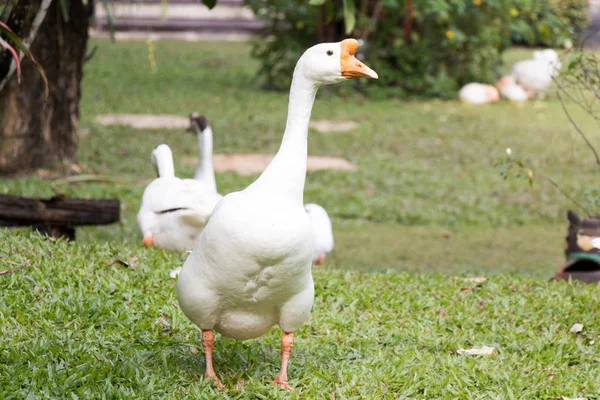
[100, 320]
[99, 317]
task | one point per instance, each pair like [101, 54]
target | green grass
[84, 319]
[100, 320]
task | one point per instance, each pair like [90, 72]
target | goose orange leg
[208, 341]
[287, 342]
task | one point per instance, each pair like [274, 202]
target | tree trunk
[34, 133]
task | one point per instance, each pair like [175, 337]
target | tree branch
[589, 144]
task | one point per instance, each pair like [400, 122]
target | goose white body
[251, 266]
[173, 211]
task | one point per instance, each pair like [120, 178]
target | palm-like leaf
[20, 46]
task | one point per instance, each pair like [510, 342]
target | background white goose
[322, 232]
[478, 93]
[510, 89]
[251, 267]
[173, 211]
[535, 74]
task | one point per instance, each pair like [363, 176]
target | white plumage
[511, 90]
[535, 75]
[322, 232]
[251, 266]
[478, 93]
[173, 211]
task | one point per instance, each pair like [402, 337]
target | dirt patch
[252, 164]
[325, 126]
[144, 121]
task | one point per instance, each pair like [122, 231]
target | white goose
[322, 232]
[510, 89]
[173, 211]
[478, 93]
[535, 74]
[252, 270]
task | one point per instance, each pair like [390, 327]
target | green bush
[553, 23]
[424, 48]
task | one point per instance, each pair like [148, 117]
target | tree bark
[35, 133]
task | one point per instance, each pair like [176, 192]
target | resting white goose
[173, 211]
[510, 89]
[251, 270]
[322, 232]
[478, 93]
[535, 74]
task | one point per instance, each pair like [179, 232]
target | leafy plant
[20, 47]
[418, 48]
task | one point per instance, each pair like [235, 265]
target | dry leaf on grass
[576, 328]
[574, 398]
[485, 350]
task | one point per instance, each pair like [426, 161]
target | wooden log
[57, 211]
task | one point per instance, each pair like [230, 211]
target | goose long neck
[164, 164]
[287, 172]
[205, 172]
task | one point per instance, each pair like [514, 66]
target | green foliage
[423, 48]
[551, 23]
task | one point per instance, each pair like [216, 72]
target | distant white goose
[322, 232]
[478, 93]
[173, 211]
[510, 89]
[251, 266]
[535, 74]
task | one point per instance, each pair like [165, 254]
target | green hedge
[442, 45]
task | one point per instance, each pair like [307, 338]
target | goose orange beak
[320, 259]
[350, 66]
[147, 241]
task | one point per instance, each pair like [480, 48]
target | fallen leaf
[574, 398]
[193, 350]
[485, 350]
[576, 328]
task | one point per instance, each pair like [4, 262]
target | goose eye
[329, 52]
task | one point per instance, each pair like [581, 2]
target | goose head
[198, 123]
[329, 63]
